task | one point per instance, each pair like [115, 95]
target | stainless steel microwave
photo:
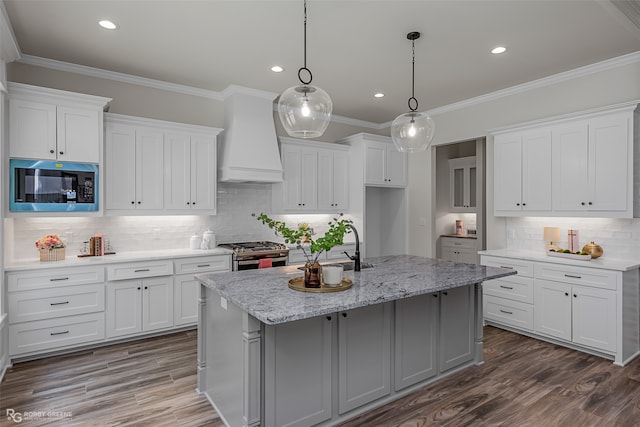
[50, 186]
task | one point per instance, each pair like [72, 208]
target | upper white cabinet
[462, 183]
[315, 177]
[522, 172]
[385, 166]
[55, 125]
[593, 168]
[154, 166]
[578, 165]
[190, 172]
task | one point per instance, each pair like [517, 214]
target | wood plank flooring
[151, 382]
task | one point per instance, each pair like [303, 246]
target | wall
[599, 85]
[233, 223]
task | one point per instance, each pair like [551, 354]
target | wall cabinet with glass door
[462, 183]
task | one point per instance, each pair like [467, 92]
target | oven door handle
[257, 261]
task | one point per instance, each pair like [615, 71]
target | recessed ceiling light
[277, 69]
[379, 95]
[499, 49]
[109, 25]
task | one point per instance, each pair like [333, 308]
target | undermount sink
[346, 265]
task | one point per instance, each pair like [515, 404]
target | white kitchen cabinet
[459, 249]
[364, 355]
[592, 169]
[134, 168]
[300, 185]
[135, 306]
[55, 125]
[186, 288]
[298, 378]
[190, 172]
[416, 334]
[456, 327]
[385, 166]
[522, 172]
[462, 184]
[333, 180]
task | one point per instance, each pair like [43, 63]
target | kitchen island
[272, 356]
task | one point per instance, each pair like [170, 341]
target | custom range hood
[248, 150]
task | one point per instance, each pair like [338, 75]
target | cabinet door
[157, 303]
[124, 304]
[185, 300]
[395, 167]
[375, 157]
[298, 383]
[552, 310]
[120, 167]
[456, 327]
[325, 180]
[594, 318]
[291, 163]
[416, 335]
[78, 132]
[507, 175]
[177, 173]
[340, 181]
[536, 171]
[309, 179]
[32, 130]
[364, 355]
[149, 169]
[570, 147]
[609, 163]
[203, 174]
[449, 254]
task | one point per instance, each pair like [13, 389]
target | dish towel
[265, 263]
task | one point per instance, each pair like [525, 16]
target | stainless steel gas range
[247, 255]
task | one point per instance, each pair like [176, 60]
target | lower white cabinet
[298, 391]
[364, 355]
[589, 308]
[459, 249]
[139, 306]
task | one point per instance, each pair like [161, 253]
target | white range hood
[248, 150]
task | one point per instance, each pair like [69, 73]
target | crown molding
[9, 49]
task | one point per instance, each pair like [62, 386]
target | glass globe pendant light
[412, 131]
[305, 110]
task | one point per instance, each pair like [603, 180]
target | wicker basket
[52, 255]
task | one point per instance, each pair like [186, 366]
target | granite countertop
[265, 293]
[603, 262]
[72, 260]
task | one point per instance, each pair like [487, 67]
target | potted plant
[51, 248]
[303, 237]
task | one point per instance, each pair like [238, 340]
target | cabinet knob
[435, 295]
[344, 314]
[51, 151]
[146, 287]
[582, 203]
[188, 203]
[517, 204]
[138, 287]
[133, 203]
[590, 203]
[566, 294]
[445, 293]
[524, 204]
[61, 153]
[139, 202]
[575, 296]
[328, 317]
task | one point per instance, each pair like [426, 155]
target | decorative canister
[52, 254]
[459, 227]
[593, 249]
[194, 242]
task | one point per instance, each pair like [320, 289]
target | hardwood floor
[524, 382]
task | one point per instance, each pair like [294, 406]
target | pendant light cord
[413, 36]
[304, 68]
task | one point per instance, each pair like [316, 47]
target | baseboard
[4, 347]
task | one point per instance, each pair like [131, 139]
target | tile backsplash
[618, 237]
[233, 223]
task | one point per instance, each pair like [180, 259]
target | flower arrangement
[303, 234]
[49, 242]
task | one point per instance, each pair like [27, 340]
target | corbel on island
[272, 356]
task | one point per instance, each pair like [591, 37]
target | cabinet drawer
[139, 270]
[55, 333]
[202, 264]
[457, 242]
[41, 304]
[508, 312]
[577, 275]
[524, 268]
[48, 278]
[511, 287]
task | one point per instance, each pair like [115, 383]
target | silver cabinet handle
[506, 287]
[506, 312]
[59, 303]
[573, 277]
[141, 270]
[59, 279]
[59, 333]
[204, 265]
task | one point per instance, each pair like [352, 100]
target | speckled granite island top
[265, 293]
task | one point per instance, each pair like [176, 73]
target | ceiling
[355, 48]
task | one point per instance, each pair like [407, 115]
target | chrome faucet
[356, 257]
